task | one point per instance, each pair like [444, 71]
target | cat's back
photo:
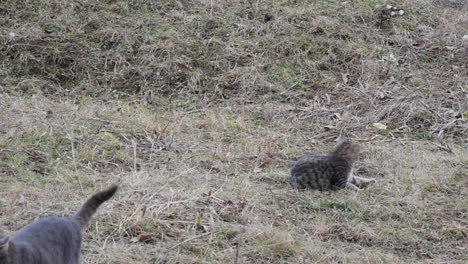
[317, 162]
[311, 159]
[50, 240]
[319, 172]
[50, 226]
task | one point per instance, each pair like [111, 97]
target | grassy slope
[199, 108]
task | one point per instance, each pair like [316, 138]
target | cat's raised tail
[91, 205]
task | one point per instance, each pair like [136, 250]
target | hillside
[199, 109]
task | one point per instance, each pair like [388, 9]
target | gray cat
[331, 172]
[52, 240]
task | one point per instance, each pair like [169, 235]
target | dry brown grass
[199, 108]
[321, 55]
[220, 185]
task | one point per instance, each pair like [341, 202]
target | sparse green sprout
[228, 232]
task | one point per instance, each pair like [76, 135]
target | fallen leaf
[465, 38]
[328, 128]
[184, 66]
[210, 166]
[379, 126]
[419, 44]
[346, 116]
[344, 76]
[143, 237]
[264, 162]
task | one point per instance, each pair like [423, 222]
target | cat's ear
[4, 243]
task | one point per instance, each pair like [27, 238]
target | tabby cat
[330, 172]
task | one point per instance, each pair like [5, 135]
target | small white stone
[401, 12]
[388, 6]
[392, 13]
[12, 34]
[465, 38]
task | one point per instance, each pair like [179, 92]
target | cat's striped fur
[330, 172]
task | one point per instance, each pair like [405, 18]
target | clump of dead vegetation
[199, 108]
[407, 71]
